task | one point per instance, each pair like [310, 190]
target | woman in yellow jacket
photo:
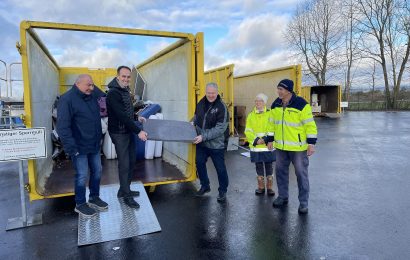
[258, 134]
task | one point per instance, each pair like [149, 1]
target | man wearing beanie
[294, 134]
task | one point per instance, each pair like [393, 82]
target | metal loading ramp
[119, 221]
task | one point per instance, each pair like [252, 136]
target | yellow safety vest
[257, 125]
[293, 126]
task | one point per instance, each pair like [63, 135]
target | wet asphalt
[358, 209]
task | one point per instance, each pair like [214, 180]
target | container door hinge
[27, 187]
[197, 45]
[197, 87]
[152, 188]
[23, 118]
[18, 46]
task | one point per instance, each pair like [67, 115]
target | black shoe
[302, 210]
[221, 197]
[130, 202]
[259, 191]
[279, 202]
[133, 193]
[85, 210]
[202, 191]
[97, 203]
[270, 192]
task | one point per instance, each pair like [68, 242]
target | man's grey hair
[81, 77]
[213, 85]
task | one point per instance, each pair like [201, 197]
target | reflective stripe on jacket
[293, 126]
[258, 127]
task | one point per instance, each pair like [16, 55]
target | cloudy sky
[247, 33]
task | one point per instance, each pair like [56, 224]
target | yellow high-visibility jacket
[293, 126]
[258, 126]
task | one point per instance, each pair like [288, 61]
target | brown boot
[261, 185]
[269, 185]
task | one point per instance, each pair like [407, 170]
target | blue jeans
[300, 161]
[82, 163]
[217, 156]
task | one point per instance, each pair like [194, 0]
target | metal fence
[10, 116]
[377, 105]
[376, 100]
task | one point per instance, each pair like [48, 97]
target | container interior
[167, 77]
[327, 98]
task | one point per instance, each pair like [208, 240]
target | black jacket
[211, 121]
[120, 110]
[79, 121]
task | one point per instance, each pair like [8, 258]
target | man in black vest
[121, 126]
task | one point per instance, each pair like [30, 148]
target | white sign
[344, 104]
[22, 144]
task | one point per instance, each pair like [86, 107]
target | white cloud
[246, 65]
[254, 44]
[82, 12]
[255, 37]
[99, 58]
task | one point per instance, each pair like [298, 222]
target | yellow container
[174, 79]
[246, 87]
[325, 100]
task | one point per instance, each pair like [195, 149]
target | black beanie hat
[286, 84]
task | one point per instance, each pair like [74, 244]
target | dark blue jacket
[79, 121]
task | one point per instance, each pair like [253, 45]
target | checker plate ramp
[119, 221]
[170, 130]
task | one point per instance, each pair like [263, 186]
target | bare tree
[315, 34]
[373, 83]
[352, 37]
[386, 25]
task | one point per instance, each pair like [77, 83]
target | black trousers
[268, 168]
[126, 154]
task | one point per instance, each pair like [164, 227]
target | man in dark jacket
[79, 127]
[211, 122]
[121, 126]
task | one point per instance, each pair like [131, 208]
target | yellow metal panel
[249, 85]
[102, 29]
[223, 76]
[99, 76]
[28, 109]
[200, 81]
[305, 93]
